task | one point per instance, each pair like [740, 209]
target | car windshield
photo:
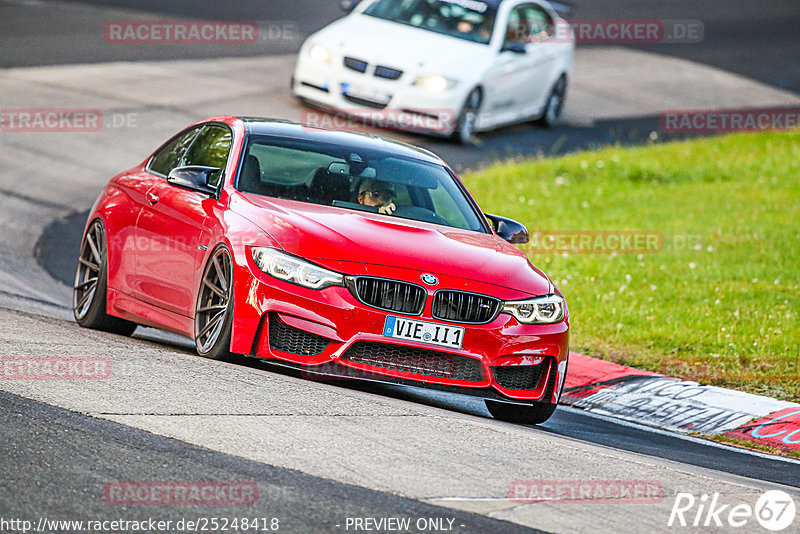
[472, 20]
[355, 179]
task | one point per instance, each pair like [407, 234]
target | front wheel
[465, 125]
[89, 292]
[214, 311]
[531, 414]
[555, 103]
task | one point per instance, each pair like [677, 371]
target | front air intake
[293, 340]
[415, 360]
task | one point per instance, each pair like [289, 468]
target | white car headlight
[295, 270]
[319, 53]
[548, 309]
[435, 83]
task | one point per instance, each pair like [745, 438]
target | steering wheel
[420, 214]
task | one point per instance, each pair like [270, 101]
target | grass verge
[717, 299]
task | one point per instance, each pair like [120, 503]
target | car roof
[491, 3]
[295, 130]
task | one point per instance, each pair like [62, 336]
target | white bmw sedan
[448, 67]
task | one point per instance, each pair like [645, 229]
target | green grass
[719, 302]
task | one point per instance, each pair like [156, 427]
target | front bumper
[331, 332]
[370, 101]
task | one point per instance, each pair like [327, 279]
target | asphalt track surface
[63, 470]
[56, 461]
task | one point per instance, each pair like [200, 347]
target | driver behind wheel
[373, 192]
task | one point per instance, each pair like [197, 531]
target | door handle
[152, 197]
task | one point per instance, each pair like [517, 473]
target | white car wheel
[465, 127]
[555, 103]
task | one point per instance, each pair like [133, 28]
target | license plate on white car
[431, 333]
[366, 93]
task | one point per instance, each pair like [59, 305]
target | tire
[465, 125]
[213, 318]
[554, 104]
[90, 290]
[521, 413]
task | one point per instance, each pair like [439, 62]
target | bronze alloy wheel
[90, 263]
[213, 316]
[90, 287]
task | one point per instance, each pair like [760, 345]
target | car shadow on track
[438, 399]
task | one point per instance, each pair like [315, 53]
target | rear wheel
[521, 413]
[89, 291]
[214, 312]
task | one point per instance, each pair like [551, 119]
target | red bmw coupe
[338, 253]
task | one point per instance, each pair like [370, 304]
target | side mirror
[511, 46]
[509, 229]
[348, 5]
[194, 178]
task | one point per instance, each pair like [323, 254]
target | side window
[210, 149]
[169, 156]
[516, 31]
[538, 22]
[529, 23]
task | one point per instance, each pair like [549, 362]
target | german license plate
[367, 93]
[423, 332]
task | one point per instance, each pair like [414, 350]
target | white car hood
[398, 46]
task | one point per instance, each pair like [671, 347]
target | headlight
[541, 310]
[319, 53]
[435, 84]
[295, 270]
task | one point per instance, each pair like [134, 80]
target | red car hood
[326, 234]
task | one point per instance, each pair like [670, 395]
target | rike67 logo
[774, 510]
